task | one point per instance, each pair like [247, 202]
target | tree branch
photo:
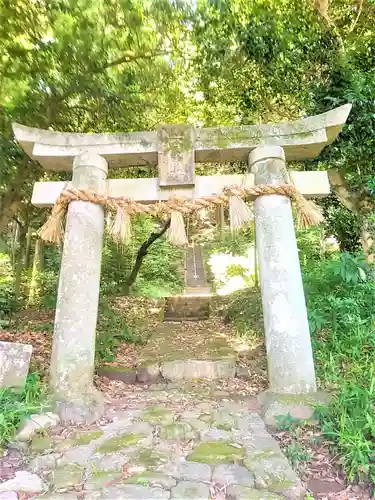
[357, 17]
[129, 59]
[142, 252]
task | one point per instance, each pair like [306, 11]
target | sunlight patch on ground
[232, 272]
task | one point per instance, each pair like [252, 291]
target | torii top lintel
[301, 139]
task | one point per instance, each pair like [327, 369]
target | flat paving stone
[215, 435]
[66, 476]
[112, 462]
[133, 492]
[232, 474]
[189, 471]
[191, 490]
[43, 463]
[153, 479]
[274, 473]
[57, 496]
[237, 492]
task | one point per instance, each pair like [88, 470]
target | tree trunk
[37, 268]
[220, 219]
[142, 252]
[19, 248]
[28, 246]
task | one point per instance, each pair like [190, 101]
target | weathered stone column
[289, 353]
[72, 365]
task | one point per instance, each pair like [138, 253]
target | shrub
[112, 331]
[341, 304]
[340, 297]
[7, 298]
[16, 405]
[245, 312]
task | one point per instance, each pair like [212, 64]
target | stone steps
[189, 369]
[194, 304]
[187, 308]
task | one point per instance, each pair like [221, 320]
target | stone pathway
[169, 441]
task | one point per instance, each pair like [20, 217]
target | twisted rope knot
[307, 212]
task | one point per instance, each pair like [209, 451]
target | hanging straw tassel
[239, 213]
[176, 233]
[53, 230]
[308, 213]
[121, 229]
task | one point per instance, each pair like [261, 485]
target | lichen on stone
[148, 458]
[217, 452]
[41, 443]
[157, 415]
[119, 442]
[177, 431]
[116, 368]
[66, 476]
[85, 437]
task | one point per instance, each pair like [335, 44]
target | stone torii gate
[175, 149]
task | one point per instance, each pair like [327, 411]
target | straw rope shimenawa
[308, 213]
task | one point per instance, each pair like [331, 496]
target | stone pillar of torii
[175, 149]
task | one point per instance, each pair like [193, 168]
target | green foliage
[287, 422]
[7, 299]
[112, 331]
[341, 301]
[340, 296]
[17, 405]
[236, 243]
[245, 312]
[161, 271]
[341, 223]
[297, 455]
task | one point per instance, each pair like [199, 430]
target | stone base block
[149, 374]
[298, 406]
[187, 308]
[83, 409]
[121, 373]
[14, 364]
[199, 369]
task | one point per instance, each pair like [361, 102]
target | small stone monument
[14, 364]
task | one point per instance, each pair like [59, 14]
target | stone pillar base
[82, 409]
[298, 406]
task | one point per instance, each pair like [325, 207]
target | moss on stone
[100, 479]
[116, 368]
[148, 458]
[206, 418]
[254, 457]
[41, 443]
[66, 476]
[150, 478]
[279, 484]
[222, 426]
[83, 437]
[119, 442]
[177, 431]
[157, 415]
[216, 452]
[65, 444]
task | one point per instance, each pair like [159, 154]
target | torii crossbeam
[175, 149]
